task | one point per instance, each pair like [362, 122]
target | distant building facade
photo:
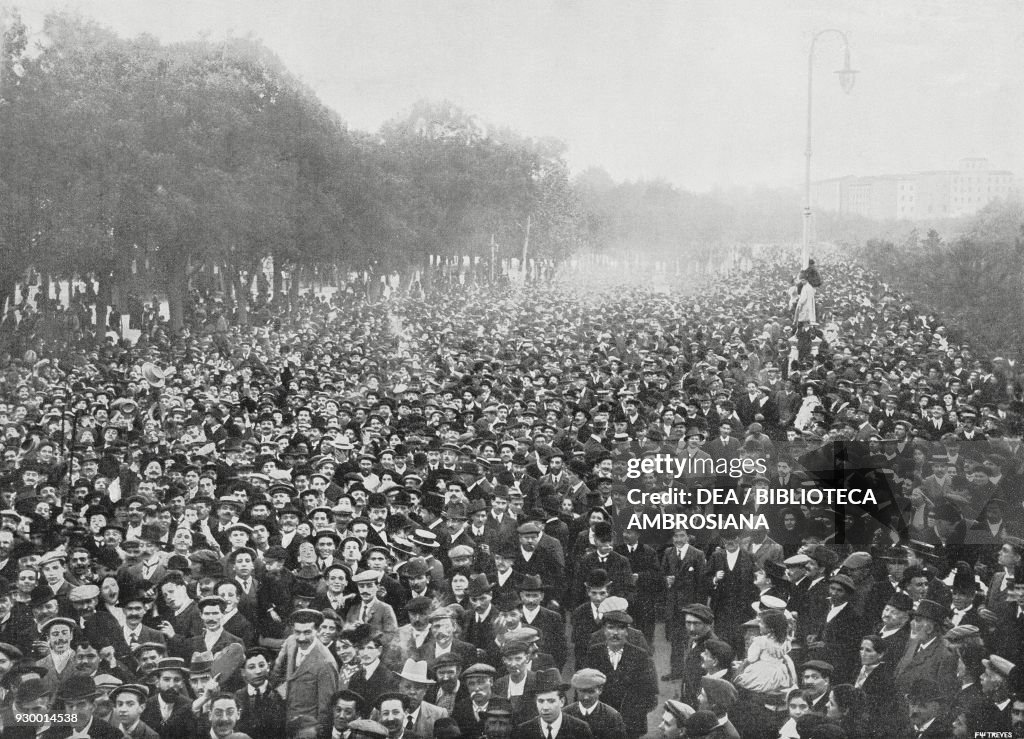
[921, 195]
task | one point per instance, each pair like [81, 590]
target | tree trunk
[177, 289]
[276, 288]
[293, 285]
[241, 289]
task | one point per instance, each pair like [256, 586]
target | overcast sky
[702, 93]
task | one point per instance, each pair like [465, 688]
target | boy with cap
[129, 703]
[263, 711]
[604, 721]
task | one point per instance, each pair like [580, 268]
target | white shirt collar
[556, 725]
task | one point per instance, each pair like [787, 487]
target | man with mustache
[224, 714]
[393, 709]
[59, 663]
[927, 656]
[169, 712]
[470, 713]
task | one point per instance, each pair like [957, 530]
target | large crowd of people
[410, 517]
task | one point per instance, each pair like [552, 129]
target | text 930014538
[41, 719]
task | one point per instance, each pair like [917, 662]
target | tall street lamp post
[847, 76]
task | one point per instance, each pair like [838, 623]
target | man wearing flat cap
[533, 559]
[369, 609]
[604, 721]
[927, 655]
[631, 683]
[699, 627]
[470, 708]
[519, 684]
[839, 639]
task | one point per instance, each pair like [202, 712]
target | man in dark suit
[532, 559]
[214, 638]
[548, 623]
[80, 691]
[724, 446]
[471, 706]
[586, 617]
[683, 565]
[442, 641]
[647, 579]
[730, 577]
[374, 678]
[263, 710]
[632, 685]
[169, 712]
[927, 709]
[927, 655]
[551, 721]
[135, 632]
[479, 623]
[840, 636]
[604, 721]
[603, 557]
[234, 621]
[519, 685]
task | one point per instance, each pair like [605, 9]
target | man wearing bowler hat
[551, 722]
[549, 623]
[927, 655]
[79, 694]
[479, 625]
[632, 685]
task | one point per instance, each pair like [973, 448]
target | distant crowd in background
[407, 516]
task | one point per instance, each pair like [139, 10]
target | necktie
[409, 725]
[550, 735]
[362, 614]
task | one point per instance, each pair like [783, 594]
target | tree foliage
[976, 280]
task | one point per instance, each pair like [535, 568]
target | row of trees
[975, 280]
[124, 157]
[130, 162]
